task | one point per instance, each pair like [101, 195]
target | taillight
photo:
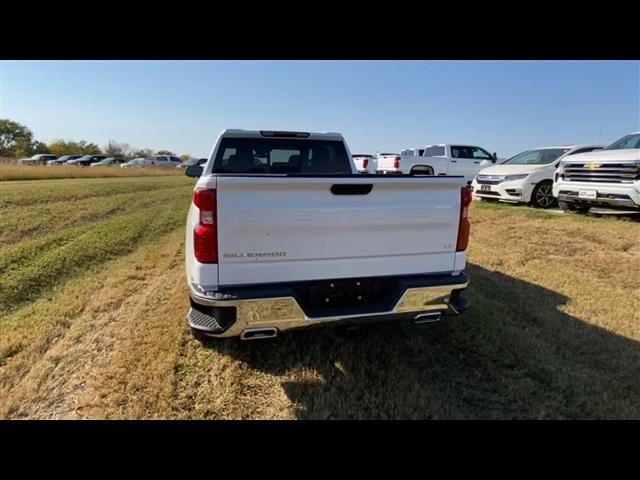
[365, 163]
[396, 162]
[464, 227]
[205, 235]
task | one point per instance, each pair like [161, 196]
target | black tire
[419, 170]
[568, 207]
[542, 195]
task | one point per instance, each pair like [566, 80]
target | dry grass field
[93, 302]
[11, 171]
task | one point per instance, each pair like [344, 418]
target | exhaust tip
[259, 333]
[427, 318]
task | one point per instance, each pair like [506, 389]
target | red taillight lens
[396, 162]
[365, 163]
[205, 200]
[464, 227]
[205, 235]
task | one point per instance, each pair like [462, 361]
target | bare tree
[115, 149]
[165, 152]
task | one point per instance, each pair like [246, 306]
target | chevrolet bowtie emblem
[592, 166]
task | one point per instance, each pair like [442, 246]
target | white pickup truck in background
[409, 152]
[442, 159]
[283, 233]
[365, 163]
[606, 178]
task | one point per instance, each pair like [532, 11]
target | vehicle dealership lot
[93, 299]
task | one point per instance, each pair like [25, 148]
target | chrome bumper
[612, 202]
[284, 313]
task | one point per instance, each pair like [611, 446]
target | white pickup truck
[608, 178]
[412, 152]
[283, 233]
[442, 159]
[365, 163]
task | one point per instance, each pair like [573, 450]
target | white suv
[527, 177]
[608, 178]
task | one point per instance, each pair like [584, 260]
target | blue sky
[377, 105]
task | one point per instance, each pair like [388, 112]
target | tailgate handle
[351, 188]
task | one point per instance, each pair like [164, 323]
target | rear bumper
[231, 312]
[517, 191]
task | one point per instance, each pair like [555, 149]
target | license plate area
[485, 188]
[588, 194]
[347, 296]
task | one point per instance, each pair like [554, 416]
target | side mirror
[495, 157]
[194, 171]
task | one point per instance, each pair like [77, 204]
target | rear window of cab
[281, 156]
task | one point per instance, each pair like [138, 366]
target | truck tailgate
[282, 229]
[386, 162]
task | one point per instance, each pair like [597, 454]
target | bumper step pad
[204, 322]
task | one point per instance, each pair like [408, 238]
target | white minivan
[527, 177]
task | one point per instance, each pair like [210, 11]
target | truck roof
[239, 133]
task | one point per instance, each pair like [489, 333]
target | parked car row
[105, 160]
[38, 159]
[575, 177]
[165, 161]
[437, 159]
[526, 177]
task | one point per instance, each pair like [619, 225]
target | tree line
[16, 140]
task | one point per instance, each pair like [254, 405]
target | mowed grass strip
[27, 222]
[548, 336]
[54, 351]
[38, 193]
[35, 267]
[9, 172]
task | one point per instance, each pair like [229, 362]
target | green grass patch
[43, 191]
[29, 221]
[34, 267]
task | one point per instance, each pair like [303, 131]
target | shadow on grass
[513, 355]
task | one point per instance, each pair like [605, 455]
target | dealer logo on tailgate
[255, 255]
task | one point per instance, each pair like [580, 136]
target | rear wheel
[542, 196]
[572, 208]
